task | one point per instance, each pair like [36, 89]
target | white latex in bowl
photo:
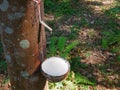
[55, 66]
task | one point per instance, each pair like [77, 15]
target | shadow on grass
[80, 15]
[112, 12]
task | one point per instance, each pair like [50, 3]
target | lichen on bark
[20, 41]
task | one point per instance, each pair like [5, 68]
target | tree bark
[24, 51]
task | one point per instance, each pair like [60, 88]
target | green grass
[58, 47]
[73, 82]
[59, 7]
[3, 65]
[6, 80]
[113, 12]
[111, 41]
[110, 37]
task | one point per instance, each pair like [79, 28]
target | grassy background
[95, 25]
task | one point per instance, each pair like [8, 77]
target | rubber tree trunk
[24, 43]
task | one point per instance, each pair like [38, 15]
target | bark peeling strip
[9, 30]
[24, 44]
[4, 5]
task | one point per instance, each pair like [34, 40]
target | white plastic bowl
[55, 69]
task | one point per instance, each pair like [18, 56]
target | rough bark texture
[19, 28]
